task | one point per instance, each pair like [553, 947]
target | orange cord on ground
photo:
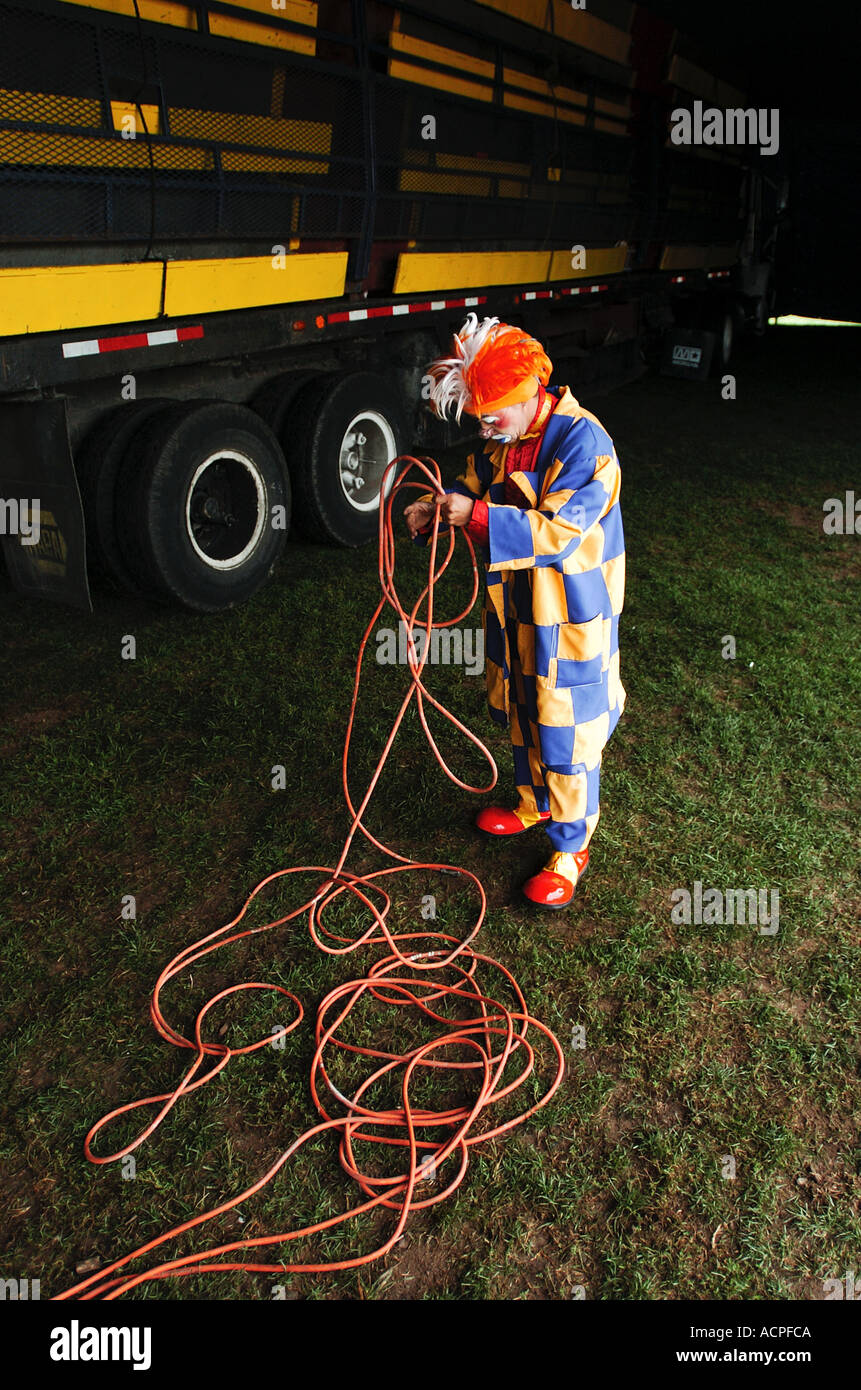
[411, 976]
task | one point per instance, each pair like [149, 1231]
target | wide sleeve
[584, 485]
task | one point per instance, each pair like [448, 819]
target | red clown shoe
[498, 820]
[554, 885]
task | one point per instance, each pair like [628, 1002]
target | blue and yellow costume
[545, 513]
[555, 590]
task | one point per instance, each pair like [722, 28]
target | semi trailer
[232, 235]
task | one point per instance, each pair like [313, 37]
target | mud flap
[687, 353]
[41, 516]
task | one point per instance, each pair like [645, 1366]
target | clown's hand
[457, 509]
[418, 515]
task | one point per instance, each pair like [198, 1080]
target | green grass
[152, 777]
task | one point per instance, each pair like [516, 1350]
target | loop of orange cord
[414, 975]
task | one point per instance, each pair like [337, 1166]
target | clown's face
[509, 422]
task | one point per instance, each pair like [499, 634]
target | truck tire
[273, 401]
[97, 466]
[340, 433]
[195, 500]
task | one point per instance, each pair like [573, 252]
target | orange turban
[506, 370]
[495, 365]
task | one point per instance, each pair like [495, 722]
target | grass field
[152, 777]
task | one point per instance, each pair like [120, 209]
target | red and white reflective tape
[385, 311]
[90, 347]
[678, 280]
[583, 289]
[717, 274]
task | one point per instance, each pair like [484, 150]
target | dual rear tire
[187, 504]
[338, 434]
[190, 503]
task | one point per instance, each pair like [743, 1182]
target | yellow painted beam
[600, 260]
[544, 108]
[44, 299]
[158, 11]
[225, 26]
[436, 53]
[246, 31]
[577, 26]
[622, 109]
[683, 258]
[436, 271]
[442, 81]
[299, 11]
[429, 270]
[245, 282]
[514, 78]
[41, 299]
[570, 105]
[142, 120]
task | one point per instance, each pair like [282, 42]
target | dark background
[801, 58]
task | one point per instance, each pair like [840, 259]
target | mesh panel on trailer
[702, 197]
[110, 129]
[494, 175]
[118, 130]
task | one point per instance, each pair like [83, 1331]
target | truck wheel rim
[368, 445]
[225, 509]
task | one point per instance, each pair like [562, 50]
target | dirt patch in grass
[574, 930]
[612, 1120]
[25, 723]
[847, 568]
[805, 518]
[256, 1145]
[425, 1263]
[25, 1195]
[793, 1004]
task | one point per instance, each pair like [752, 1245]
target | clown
[542, 504]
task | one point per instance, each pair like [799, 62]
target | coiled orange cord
[413, 978]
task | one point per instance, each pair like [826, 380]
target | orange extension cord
[407, 978]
